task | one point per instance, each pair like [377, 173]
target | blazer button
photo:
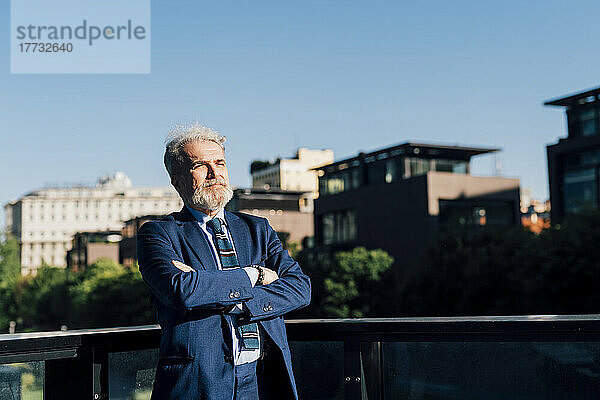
[270, 307]
[265, 308]
[228, 358]
[231, 295]
[236, 294]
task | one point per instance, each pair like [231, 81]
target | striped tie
[248, 332]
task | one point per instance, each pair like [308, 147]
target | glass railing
[524, 357]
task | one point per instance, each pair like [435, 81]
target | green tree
[470, 270]
[10, 265]
[349, 284]
[346, 284]
[492, 271]
[43, 299]
[10, 272]
[567, 276]
[104, 294]
[107, 294]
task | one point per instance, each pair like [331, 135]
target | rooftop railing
[522, 357]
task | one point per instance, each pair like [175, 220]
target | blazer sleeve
[185, 291]
[291, 291]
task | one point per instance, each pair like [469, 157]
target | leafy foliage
[346, 284]
[105, 294]
[10, 267]
[43, 300]
[478, 270]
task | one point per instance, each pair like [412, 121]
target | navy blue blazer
[195, 360]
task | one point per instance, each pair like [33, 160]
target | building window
[356, 177]
[418, 166]
[339, 227]
[454, 166]
[328, 226]
[376, 172]
[580, 189]
[580, 181]
[476, 212]
[588, 122]
[582, 160]
[336, 183]
[391, 174]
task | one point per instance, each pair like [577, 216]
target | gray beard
[211, 198]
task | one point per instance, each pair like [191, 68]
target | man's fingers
[271, 271]
[270, 276]
[182, 266]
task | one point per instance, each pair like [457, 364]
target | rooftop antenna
[497, 164]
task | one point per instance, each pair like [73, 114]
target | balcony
[523, 357]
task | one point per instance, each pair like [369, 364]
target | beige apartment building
[290, 213]
[294, 174]
[45, 220]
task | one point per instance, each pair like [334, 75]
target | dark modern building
[128, 243]
[290, 213]
[574, 162]
[394, 198]
[90, 246]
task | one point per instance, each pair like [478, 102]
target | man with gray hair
[220, 283]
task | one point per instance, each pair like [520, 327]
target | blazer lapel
[241, 238]
[197, 241]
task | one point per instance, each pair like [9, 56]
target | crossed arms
[185, 289]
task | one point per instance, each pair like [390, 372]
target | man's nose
[210, 172]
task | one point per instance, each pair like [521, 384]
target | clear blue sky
[277, 75]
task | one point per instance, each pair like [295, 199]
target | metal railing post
[69, 378]
[352, 375]
[100, 373]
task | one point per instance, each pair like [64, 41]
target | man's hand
[270, 276]
[182, 266]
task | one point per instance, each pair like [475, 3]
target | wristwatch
[261, 274]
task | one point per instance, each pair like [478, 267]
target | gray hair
[180, 136]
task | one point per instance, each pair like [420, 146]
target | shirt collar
[204, 218]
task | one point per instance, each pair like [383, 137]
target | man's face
[204, 182]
